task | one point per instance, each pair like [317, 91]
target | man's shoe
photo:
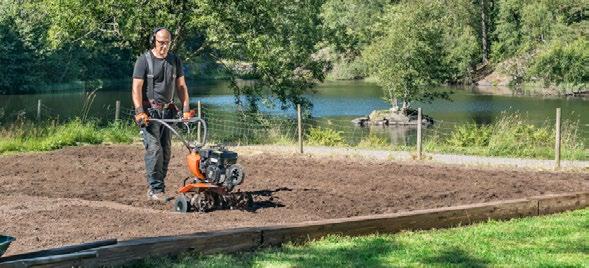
[159, 196]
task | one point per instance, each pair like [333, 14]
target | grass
[27, 136]
[510, 136]
[560, 240]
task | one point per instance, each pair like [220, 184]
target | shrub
[470, 135]
[373, 141]
[325, 137]
[72, 133]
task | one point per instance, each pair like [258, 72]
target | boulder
[392, 117]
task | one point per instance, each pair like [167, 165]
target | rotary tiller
[215, 174]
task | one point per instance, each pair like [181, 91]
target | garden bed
[81, 194]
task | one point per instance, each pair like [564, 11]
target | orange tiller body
[194, 165]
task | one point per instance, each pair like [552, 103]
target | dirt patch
[81, 194]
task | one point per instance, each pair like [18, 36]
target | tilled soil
[82, 194]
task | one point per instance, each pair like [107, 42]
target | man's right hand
[142, 119]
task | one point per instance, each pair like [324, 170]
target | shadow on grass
[369, 252]
[455, 257]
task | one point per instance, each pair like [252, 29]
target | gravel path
[465, 160]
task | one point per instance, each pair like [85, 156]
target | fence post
[300, 128]
[557, 141]
[38, 109]
[419, 133]
[117, 110]
[198, 124]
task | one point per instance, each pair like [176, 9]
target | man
[156, 77]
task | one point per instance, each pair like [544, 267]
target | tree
[424, 44]
[277, 37]
[18, 58]
[350, 25]
[563, 64]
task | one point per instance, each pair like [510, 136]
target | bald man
[156, 77]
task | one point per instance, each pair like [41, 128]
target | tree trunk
[484, 32]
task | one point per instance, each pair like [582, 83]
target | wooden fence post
[419, 133]
[38, 109]
[198, 124]
[117, 110]
[300, 128]
[557, 141]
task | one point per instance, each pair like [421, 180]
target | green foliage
[67, 135]
[120, 132]
[424, 43]
[374, 141]
[547, 241]
[543, 39]
[350, 25]
[511, 136]
[89, 42]
[324, 136]
[525, 25]
[343, 69]
[470, 135]
[17, 57]
[563, 63]
[26, 136]
[277, 37]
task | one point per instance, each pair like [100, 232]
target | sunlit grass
[27, 136]
[510, 136]
[549, 241]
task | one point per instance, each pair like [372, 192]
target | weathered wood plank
[51, 261]
[583, 199]
[205, 243]
[60, 250]
[556, 203]
[392, 223]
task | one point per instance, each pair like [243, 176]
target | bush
[563, 63]
[470, 135]
[511, 136]
[325, 137]
[374, 141]
[71, 133]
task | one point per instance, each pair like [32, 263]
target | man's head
[161, 39]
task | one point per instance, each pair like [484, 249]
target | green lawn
[560, 240]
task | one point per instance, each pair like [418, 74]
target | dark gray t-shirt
[163, 76]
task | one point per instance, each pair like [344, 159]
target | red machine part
[198, 185]
[193, 165]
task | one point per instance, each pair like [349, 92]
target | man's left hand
[187, 115]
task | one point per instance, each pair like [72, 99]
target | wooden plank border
[242, 239]
[393, 223]
[549, 204]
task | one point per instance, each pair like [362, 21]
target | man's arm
[137, 94]
[183, 93]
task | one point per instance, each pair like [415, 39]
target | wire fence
[520, 136]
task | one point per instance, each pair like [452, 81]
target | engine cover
[220, 167]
